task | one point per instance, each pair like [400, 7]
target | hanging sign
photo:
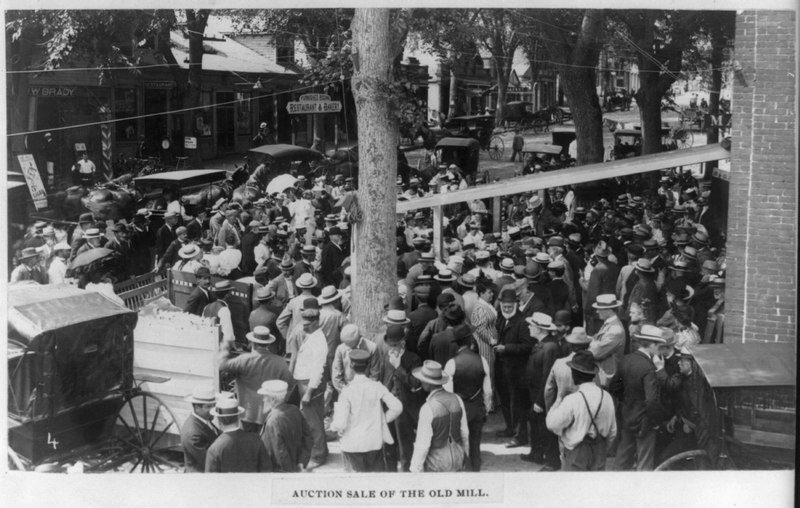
[313, 103]
[190, 142]
[34, 180]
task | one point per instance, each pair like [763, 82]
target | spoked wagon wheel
[148, 436]
[539, 125]
[692, 460]
[496, 147]
[684, 138]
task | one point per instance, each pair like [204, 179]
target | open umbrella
[90, 256]
[280, 183]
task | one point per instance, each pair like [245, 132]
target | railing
[137, 292]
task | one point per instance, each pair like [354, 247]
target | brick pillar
[761, 292]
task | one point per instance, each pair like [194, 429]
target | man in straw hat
[360, 419]
[57, 271]
[285, 433]
[341, 368]
[309, 350]
[198, 431]
[602, 280]
[585, 420]
[637, 385]
[442, 430]
[251, 369]
[283, 285]
[608, 344]
[26, 269]
[219, 308]
[559, 382]
[290, 317]
[235, 450]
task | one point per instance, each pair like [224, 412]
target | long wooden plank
[572, 176]
[196, 362]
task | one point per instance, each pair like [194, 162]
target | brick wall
[761, 292]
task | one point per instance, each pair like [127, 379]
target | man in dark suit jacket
[637, 385]
[398, 364]
[285, 433]
[235, 450]
[201, 295]
[283, 286]
[419, 318]
[166, 233]
[513, 347]
[443, 344]
[603, 280]
[333, 254]
[198, 432]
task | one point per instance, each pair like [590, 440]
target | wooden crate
[181, 347]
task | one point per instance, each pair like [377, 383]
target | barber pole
[105, 138]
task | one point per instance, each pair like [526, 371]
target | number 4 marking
[52, 441]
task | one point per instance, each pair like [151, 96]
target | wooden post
[496, 212]
[437, 232]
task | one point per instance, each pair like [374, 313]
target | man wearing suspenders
[584, 420]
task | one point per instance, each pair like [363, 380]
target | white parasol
[280, 183]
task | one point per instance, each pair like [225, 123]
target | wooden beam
[572, 176]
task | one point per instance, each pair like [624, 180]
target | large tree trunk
[578, 83]
[502, 87]
[648, 97]
[374, 281]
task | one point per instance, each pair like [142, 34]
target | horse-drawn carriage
[73, 393]
[522, 116]
[479, 127]
[745, 395]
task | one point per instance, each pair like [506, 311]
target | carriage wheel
[684, 138]
[496, 147]
[692, 460]
[148, 437]
[539, 125]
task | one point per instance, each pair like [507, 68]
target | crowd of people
[571, 321]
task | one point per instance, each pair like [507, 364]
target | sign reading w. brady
[34, 180]
[312, 103]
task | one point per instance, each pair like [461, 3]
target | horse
[113, 200]
[208, 195]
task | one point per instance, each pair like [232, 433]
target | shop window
[125, 106]
[243, 123]
[202, 119]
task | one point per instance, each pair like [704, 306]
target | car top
[186, 177]
[753, 365]
[286, 152]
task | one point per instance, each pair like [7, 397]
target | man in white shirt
[359, 418]
[585, 420]
[307, 367]
[86, 170]
[57, 272]
[442, 430]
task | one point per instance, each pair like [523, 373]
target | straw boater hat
[583, 361]
[431, 372]
[467, 280]
[445, 275]
[644, 265]
[227, 407]
[606, 301]
[650, 333]
[287, 265]
[261, 335]
[202, 395]
[578, 336]
[189, 251]
[396, 317]
[507, 265]
[541, 320]
[329, 294]
[27, 253]
[91, 233]
[222, 286]
[306, 281]
[275, 388]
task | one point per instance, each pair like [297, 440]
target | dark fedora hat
[508, 296]
[454, 313]
[583, 361]
[394, 334]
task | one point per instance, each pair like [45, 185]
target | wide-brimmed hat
[275, 388]
[221, 286]
[679, 265]
[583, 361]
[507, 265]
[690, 253]
[62, 246]
[555, 241]
[329, 294]
[454, 313]
[306, 281]
[396, 317]
[542, 258]
[427, 257]
[602, 250]
[578, 336]
[310, 308]
[394, 334]
[508, 296]
[261, 335]
[717, 282]
[445, 275]
[700, 238]
[562, 317]
[468, 243]
[85, 218]
[710, 265]
[650, 333]
[189, 251]
[541, 320]
[431, 372]
[606, 301]
[309, 249]
[202, 395]
[574, 239]
[513, 231]
[534, 202]
[644, 265]
[91, 233]
[461, 331]
[264, 293]
[482, 255]
[467, 280]
[227, 407]
[287, 265]
[27, 253]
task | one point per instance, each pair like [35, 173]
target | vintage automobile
[746, 399]
[284, 158]
[563, 136]
[628, 142]
[547, 156]
[479, 127]
[463, 152]
[618, 99]
[72, 392]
